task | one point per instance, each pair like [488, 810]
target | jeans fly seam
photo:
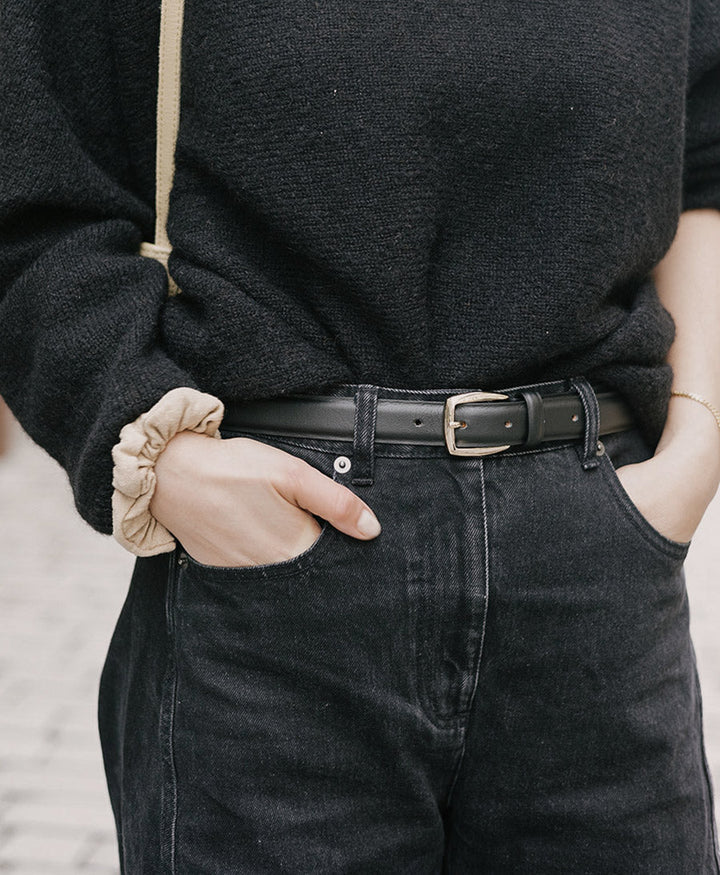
[484, 624]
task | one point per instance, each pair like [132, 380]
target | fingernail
[368, 524]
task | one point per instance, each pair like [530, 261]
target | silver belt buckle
[450, 423]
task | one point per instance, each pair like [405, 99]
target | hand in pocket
[239, 502]
[673, 489]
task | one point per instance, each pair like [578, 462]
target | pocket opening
[624, 502]
[323, 462]
[283, 567]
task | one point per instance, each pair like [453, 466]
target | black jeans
[502, 681]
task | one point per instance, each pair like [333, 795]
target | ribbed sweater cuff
[134, 457]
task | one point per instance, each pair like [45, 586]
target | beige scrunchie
[134, 457]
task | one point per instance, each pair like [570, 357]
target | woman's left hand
[673, 489]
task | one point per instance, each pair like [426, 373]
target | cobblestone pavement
[61, 588]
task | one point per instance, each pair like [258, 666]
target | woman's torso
[420, 193]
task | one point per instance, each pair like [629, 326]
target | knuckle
[291, 476]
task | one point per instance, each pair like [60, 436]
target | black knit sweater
[412, 194]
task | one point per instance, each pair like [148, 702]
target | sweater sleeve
[701, 176]
[80, 354]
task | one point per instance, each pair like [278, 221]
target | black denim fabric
[503, 681]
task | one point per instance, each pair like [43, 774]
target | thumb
[314, 491]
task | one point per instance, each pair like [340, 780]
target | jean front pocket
[321, 458]
[624, 448]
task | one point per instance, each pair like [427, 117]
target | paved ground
[61, 588]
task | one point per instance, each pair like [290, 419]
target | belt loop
[364, 434]
[591, 409]
[535, 417]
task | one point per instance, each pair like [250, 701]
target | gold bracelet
[711, 407]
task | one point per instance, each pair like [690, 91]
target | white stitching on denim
[356, 419]
[281, 569]
[295, 442]
[373, 432]
[706, 770]
[171, 704]
[290, 441]
[538, 450]
[173, 768]
[592, 424]
[484, 623]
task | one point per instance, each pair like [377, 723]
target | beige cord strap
[168, 113]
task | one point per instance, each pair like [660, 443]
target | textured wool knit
[414, 194]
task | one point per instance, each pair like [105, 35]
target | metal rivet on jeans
[342, 464]
[600, 448]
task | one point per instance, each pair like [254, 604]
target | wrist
[175, 469]
[136, 456]
[691, 431]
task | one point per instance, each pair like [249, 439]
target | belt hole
[418, 422]
[574, 417]
[508, 424]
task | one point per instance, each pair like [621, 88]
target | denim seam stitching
[269, 569]
[290, 441]
[539, 450]
[173, 769]
[392, 455]
[482, 632]
[373, 433]
[356, 435]
[122, 845]
[706, 768]
[590, 406]
[169, 706]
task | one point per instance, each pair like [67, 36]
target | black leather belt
[469, 423]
